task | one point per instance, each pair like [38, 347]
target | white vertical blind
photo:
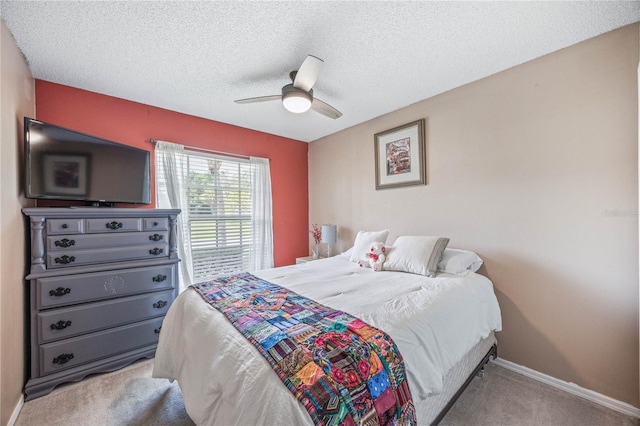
[262, 229]
[170, 193]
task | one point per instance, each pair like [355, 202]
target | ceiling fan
[298, 96]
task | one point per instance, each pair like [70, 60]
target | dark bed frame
[478, 371]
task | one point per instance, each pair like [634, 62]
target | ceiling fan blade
[308, 73]
[325, 109]
[259, 99]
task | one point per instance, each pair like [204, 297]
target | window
[219, 197]
[220, 218]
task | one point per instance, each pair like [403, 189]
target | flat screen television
[62, 164]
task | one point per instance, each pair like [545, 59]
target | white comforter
[225, 380]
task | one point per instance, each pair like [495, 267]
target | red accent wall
[135, 124]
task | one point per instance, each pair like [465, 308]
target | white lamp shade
[329, 234]
[296, 102]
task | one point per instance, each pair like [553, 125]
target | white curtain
[261, 254]
[171, 169]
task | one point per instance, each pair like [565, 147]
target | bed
[443, 326]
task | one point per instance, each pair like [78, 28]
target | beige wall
[17, 92]
[536, 169]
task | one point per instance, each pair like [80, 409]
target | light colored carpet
[132, 397]
[503, 397]
[125, 397]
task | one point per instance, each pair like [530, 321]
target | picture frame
[66, 174]
[400, 156]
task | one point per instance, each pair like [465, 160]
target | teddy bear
[374, 258]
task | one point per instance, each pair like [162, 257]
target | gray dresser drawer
[59, 324]
[73, 289]
[156, 224]
[92, 241]
[65, 226]
[93, 226]
[66, 258]
[91, 347]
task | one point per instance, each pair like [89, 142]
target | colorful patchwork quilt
[342, 370]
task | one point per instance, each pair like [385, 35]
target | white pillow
[459, 262]
[416, 255]
[364, 240]
[347, 253]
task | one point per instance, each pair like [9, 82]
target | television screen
[63, 164]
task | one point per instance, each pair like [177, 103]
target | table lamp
[329, 236]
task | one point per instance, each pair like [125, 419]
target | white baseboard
[572, 388]
[16, 411]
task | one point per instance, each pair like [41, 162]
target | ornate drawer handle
[155, 223]
[61, 325]
[63, 359]
[159, 278]
[65, 259]
[65, 243]
[160, 304]
[114, 225]
[156, 251]
[64, 226]
[156, 237]
[157, 330]
[60, 291]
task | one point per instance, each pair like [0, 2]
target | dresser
[100, 281]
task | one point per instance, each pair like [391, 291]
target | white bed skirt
[429, 408]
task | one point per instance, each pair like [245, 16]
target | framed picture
[400, 156]
[66, 174]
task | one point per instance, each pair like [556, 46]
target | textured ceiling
[198, 57]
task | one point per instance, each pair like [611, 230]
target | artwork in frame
[400, 156]
[66, 174]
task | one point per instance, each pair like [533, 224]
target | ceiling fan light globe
[297, 102]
